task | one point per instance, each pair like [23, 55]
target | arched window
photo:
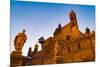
[68, 49]
[68, 37]
[78, 45]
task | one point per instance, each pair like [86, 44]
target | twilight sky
[41, 19]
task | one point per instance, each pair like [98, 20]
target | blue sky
[41, 19]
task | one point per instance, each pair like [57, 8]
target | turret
[30, 52]
[36, 48]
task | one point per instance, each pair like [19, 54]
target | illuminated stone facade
[67, 45]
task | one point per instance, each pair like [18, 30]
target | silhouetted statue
[41, 40]
[87, 30]
[19, 41]
[58, 30]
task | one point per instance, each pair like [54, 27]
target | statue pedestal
[16, 53]
[16, 58]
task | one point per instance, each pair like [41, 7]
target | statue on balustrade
[20, 40]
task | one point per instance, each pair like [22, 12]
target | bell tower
[73, 20]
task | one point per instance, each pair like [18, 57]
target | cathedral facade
[67, 45]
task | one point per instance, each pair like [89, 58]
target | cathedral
[68, 45]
